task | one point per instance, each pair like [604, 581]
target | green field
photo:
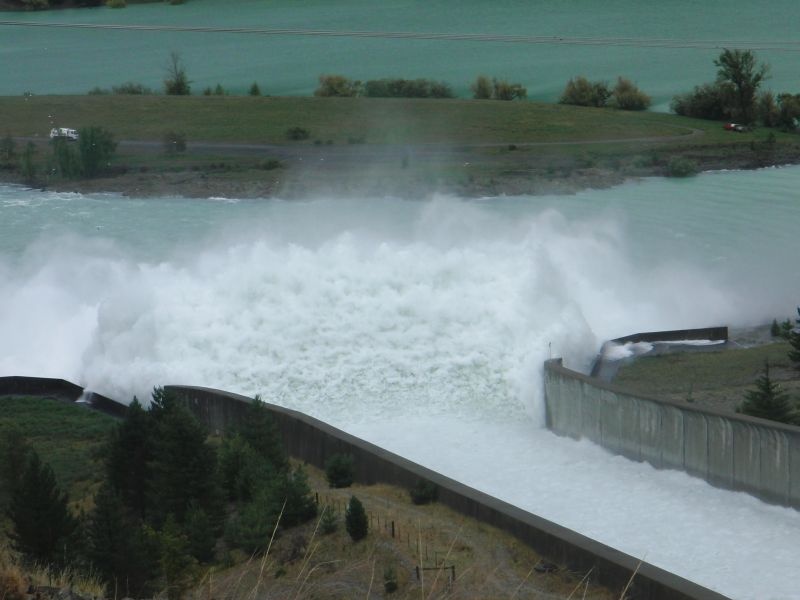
[717, 379]
[371, 120]
[68, 437]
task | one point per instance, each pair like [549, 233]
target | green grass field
[68, 437]
[373, 120]
[715, 379]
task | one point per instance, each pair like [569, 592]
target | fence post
[392, 529]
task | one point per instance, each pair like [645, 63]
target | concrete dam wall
[730, 451]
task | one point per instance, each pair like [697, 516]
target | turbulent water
[422, 326]
[666, 47]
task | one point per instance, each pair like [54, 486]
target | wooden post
[392, 529]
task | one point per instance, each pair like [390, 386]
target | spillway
[422, 325]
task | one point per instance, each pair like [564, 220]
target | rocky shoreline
[469, 173]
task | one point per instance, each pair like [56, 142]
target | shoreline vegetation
[251, 147]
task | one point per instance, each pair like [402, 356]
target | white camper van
[63, 133]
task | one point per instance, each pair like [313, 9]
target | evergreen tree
[260, 431]
[183, 466]
[178, 566]
[794, 342]
[14, 453]
[242, 469]
[355, 519]
[200, 534]
[768, 401]
[292, 489]
[127, 455]
[328, 522]
[40, 520]
[118, 548]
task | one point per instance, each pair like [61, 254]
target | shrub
[767, 110]
[626, 96]
[789, 116]
[339, 469]
[254, 90]
[337, 85]
[271, 164]
[8, 152]
[579, 91]
[707, 101]
[407, 88]
[174, 141]
[482, 88]
[355, 520]
[96, 147]
[389, 580]
[116, 3]
[679, 166]
[327, 522]
[28, 167]
[219, 90]
[424, 492]
[297, 133]
[98, 91]
[131, 88]
[503, 90]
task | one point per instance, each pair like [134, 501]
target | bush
[254, 90]
[337, 85]
[96, 147]
[424, 492]
[355, 520]
[767, 111]
[297, 134]
[174, 141]
[327, 522]
[679, 166]
[407, 88]
[789, 116]
[482, 88]
[389, 580]
[626, 96]
[271, 164]
[503, 90]
[98, 91]
[339, 470]
[579, 91]
[707, 101]
[116, 3]
[131, 88]
[8, 153]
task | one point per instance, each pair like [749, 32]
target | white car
[64, 133]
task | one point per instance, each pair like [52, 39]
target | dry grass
[15, 579]
[304, 563]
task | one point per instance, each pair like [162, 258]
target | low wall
[731, 451]
[313, 441]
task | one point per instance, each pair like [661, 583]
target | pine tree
[200, 534]
[128, 452]
[183, 467]
[41, 522]
[794, 342]
[177, 565]
[14, 452]
[260, 431]
[355, 519]
[768, 401]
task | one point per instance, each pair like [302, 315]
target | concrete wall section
[313, 441]
[728, 450]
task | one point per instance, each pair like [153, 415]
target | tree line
[170, 501]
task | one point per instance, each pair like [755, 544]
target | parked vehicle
[63, 133]
[735, 127]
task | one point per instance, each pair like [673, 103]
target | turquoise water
[46, 60]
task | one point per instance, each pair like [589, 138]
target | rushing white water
[422, 326]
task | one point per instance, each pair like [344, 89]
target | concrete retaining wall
[313, 441]
[732, 451]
